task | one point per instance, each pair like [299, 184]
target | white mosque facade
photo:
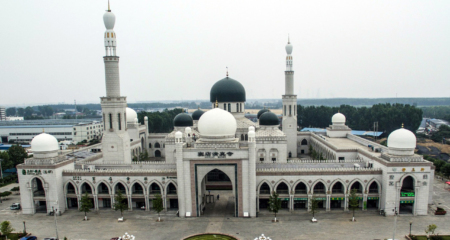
[256, 158]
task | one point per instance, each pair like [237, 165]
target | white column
[252, 171]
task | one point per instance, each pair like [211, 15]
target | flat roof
[345, 143]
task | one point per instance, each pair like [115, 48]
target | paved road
[332, 225]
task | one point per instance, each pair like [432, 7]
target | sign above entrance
[214, 154]
[337, 198]
[411, 201]
[373, 198]
[407, 194]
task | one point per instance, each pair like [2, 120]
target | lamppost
[56, 225]
[395, 221]
[24, 228]
[1, 171]
[410, 226]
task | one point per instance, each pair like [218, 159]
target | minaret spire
[109, 9]
[290, 104]
[227, 71]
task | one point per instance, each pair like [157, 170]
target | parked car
[15, 206]
[29, 238]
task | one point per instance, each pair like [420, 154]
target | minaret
[115, 141]
[290, 106]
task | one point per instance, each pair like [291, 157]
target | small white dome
[338, 118]
[178, 134]
[251, 128]
[251, 134]
[217, 123]
[109, 19]
[44, 143]
[131, 115]
[145, 118]
[289, 48]
[402, 138]
[188, 130]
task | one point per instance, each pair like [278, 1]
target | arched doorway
[407, 195]
[374, 198]
[104, 197]
[71, 194]
[301, 196]
[39, 199]
[157, 153]
[319, 193]
[172, 197]
[283, 193]
[337, 200]
[216, 195]
[86, 188]
[137, 196]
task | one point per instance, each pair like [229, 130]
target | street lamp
[1, 171]
[24, 228]
[56, 225]
[410, 226]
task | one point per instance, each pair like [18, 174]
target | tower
[116, 141]
[290, 106]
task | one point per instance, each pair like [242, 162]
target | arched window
[157, 145]
[338, 188]
[301, 188]
[171, 189]
[150, 145]
[157, 153]
[373, 188]
[357, 186]
[120, 187]
[225, 106]
[264, 189]
[155, 189]
[246, 137]
[284, 110]
[237, 107]
[86, 188]
[319, 188]
[103, 189]
[120, 122]
[104, 120]
[110, 121]
[290, 110]
[137, 189]
[304, 142]
[242, 137]
[282, 188]
[241, 107]
[70, 189]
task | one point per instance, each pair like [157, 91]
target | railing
[373, 190]
[318, 170]
[103, 192]
[71, 191]
[337, 191]
[319, 190]
[121, 171]
[172, 192]
[283, 191]
[88, 192]
[263, 191]
[39, 193]
[155, 192]
[300, 191]
[138, 192]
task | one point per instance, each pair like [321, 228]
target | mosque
[221, 149]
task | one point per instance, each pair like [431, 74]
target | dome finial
[109, 9]
[227, 71]
[289, 41]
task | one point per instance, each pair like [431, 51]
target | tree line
[389, 116]
[159, 122]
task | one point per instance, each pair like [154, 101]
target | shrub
[5, 194]
[14, 189]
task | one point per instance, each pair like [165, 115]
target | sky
[52, 50]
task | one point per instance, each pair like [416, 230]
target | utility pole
[395, 221]
[56, 224]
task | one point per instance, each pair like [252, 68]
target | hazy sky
[52, 50]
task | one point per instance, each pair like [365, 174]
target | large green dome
[261, 112]
[227, 90]
[197, 114]
[269, 118]
[183, 120]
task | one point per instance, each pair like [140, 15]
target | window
[110, 121]
[225, 106]
[237, 107]
[290, 110]
[149, 145]
[261, 159]
[341, 159]
[120, 122]
[284, 110]
[274, 159]
[229, 107]
[241, 107]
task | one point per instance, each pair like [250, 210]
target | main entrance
[216, 190]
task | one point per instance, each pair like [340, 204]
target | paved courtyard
[331, 225]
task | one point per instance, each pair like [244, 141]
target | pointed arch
[301, 181]
[373, 180]
[88, 183]
[338, 181]
[166, 188]
[124, 185]
[405, 176]
[304, 142]
[157, 145]
[161, 188]
[349, 186]
[66, 187]
[106, 184]
[140, 183]
[319, 181]
[282, 181]
[258, 188]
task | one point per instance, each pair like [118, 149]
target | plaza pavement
[143, 225]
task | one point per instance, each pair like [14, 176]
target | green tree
[6, 163]
[119, 203]
[20, 112]
[430, 230]
[6, 228]
[17, 154]
[274, 204]
[353, 202]
[28, 111]
[314, 205]
[85, 204]
[11, 111]
[445, 170]
[158, 205]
